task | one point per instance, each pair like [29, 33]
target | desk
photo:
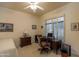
[54, 44]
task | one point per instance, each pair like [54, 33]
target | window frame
[57, 25]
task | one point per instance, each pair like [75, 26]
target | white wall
[22, 23]
[71, 13]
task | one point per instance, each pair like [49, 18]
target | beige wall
[71, 13]
[22, 23]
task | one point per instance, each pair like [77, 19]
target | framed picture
[34, 27]
[6, 27]
[75, 26]
[41, 27]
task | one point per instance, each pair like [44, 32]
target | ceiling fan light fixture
[34, 6]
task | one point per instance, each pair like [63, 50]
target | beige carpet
[32, 51]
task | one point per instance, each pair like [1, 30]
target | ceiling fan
[34, 6]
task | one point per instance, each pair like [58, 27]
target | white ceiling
[19, 6]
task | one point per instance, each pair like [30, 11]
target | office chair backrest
[50, 35]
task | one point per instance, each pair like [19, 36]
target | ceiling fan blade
[40, 7]
[27, 7]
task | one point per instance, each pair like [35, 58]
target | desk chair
[45, 45]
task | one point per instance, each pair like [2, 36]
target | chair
[65, 50]
[37, 38]
[56, 45]
[50, 35]
[45, 45]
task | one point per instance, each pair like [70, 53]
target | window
[49, 26]
[56, 26]
[61, 28]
